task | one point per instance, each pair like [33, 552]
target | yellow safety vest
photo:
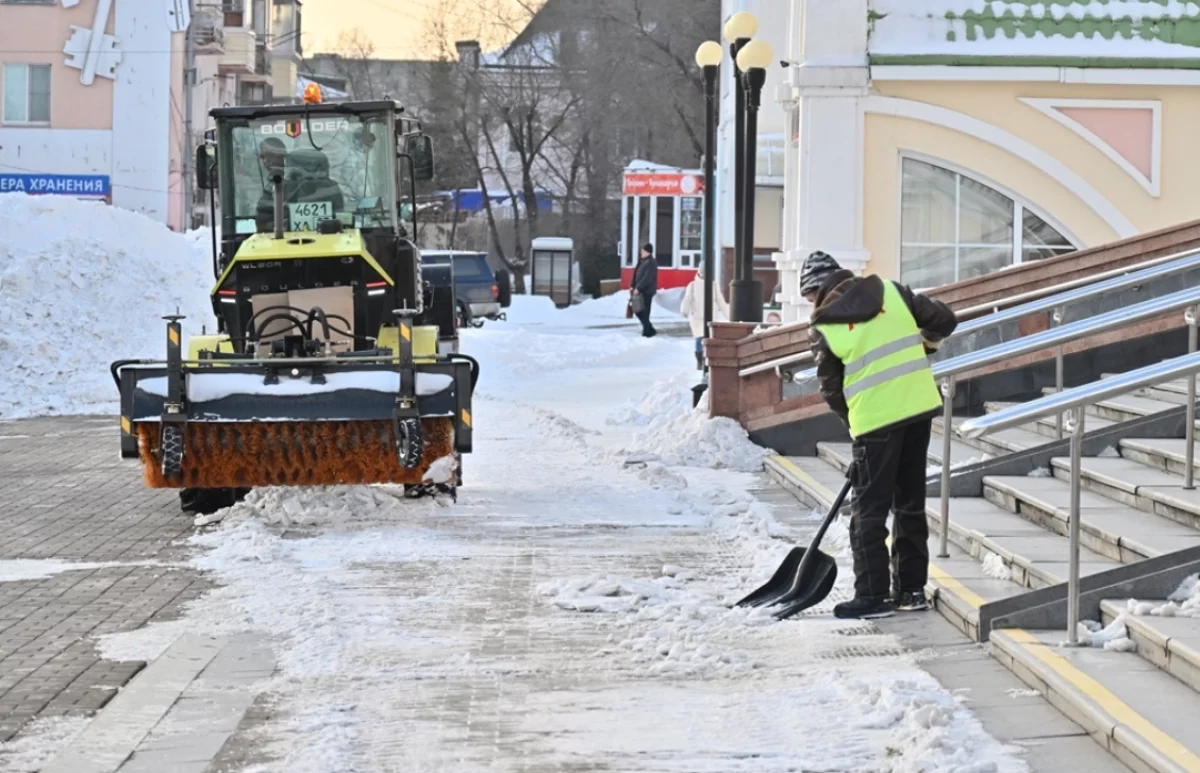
[887, 376]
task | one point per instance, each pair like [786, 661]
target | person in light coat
[693, 308]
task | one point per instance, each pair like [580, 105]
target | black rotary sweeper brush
[805, 577]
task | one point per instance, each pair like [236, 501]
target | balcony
[240, 51]
[207, 33]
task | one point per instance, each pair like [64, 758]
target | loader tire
[409, 446]
[422, 490]
[206, 501]
[171, 450]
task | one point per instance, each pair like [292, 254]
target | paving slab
[67, 500]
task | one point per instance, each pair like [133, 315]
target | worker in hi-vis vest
[871, 338]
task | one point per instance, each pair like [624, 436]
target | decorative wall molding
[1020, 148]
[1053, 109]
[91, 51]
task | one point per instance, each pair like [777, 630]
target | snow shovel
[804, 578]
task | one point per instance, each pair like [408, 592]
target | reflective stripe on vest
[887, 377]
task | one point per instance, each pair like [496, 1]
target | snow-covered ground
[572, 611]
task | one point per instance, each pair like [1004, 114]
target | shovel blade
[809, 590]
[779, 584]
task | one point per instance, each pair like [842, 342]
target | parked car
[441, 305]
[481, 294]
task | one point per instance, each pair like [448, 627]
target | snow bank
[678, 434]
[1114, 636]
[538, 310]
[83, 284]
[1184, 602]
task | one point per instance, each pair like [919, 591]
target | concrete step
[1047, 426]
[1143, 716]
[839, 455]
[1117, 531]
[958, 585]
[1011, 547]
[1135, 485]
[1171, 643]
[1174, 392]
[1005, 441]
[1167, 454]
[1127, 407]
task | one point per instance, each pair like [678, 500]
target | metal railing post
[1076, 428]
[947, 430]
[1058, 371]
[1189, 457]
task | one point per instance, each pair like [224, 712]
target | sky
[399, 29]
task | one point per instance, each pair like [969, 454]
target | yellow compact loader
[324, 368]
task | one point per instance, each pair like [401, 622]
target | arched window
[954, 228]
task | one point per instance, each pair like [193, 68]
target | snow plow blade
[237, 425]
[256, 454]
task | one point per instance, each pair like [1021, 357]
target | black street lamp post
[753, 60]
[739, 31]
[708, 56]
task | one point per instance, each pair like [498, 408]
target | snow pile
[1114, 636]
[929, 730]
[680, 435]
[335, 507]
[1184, 602]
[442, 470]
[83, 284]
[994, 566]
[664, 398]
[38, 743]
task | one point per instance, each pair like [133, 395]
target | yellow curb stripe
[947, 581]
[1120, 711]
[972, 599]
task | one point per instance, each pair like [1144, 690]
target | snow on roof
[641, 165]
[1109, 29]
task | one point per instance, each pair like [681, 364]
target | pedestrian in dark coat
[643, 288]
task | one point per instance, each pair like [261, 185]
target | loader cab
[291, 179]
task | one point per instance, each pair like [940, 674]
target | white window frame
[1020, 204]
[4, 119]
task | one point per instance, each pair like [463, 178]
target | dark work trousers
[890, 476]
[644, 317]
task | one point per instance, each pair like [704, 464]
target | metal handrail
[1032, 302]
[1057, 336]
[1076, 400]
[949, 370]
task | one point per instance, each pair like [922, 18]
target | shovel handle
[833, 513]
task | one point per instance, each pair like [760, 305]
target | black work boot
[911, 601]
[864, 608]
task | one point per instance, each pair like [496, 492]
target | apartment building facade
[93, 96]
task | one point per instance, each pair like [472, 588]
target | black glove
[852, 473]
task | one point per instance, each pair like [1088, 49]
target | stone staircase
[1013, 540]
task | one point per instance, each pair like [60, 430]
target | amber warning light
[312, 94]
